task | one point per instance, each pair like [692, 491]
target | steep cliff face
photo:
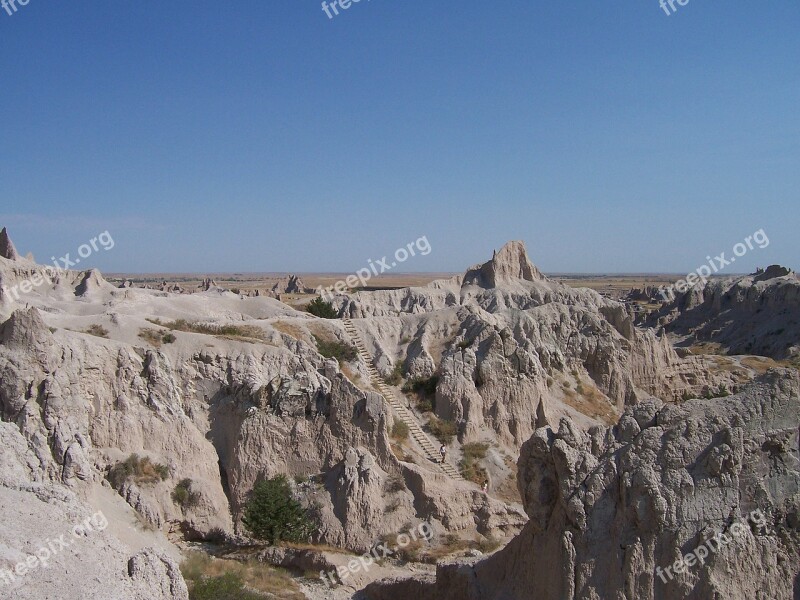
[698, 500]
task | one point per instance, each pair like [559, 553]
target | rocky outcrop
[507, 267]
[696, 501]
[7, 249]
[508, 341]
[291, 285]
[54, 545]
[755, 314]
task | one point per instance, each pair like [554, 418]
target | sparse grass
[412, 552]
[759, 364]
[184, 496]
[793, 363]
[590, 401]
[218, 579]
[396, 376]
[155, 337]
[707, 348]
[352, 375]
[290, 329]
[400, 430]
[335, 349]
[97, 331]
[470, 462]
[242, 332]
[444, 431]
[452, 544]
[141, 470]
[394, 485]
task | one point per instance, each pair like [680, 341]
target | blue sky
[264, 136]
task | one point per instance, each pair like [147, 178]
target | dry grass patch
[219, 579]
[471, 468]
[247, 333]
[759, 364]
[444, 431]
[97, 331]
[155, 337]
[141, 470]
[590, 401]
[707, 348]
[452, 544]
[291, 330]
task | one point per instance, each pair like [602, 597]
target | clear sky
[260, 135]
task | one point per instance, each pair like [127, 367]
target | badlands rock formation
[613, 507]
[78, 553]
[7, 249]
[755, 314]
[291, 285]
[226, 390]
[508, 344]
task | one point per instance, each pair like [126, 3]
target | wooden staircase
[430, 449]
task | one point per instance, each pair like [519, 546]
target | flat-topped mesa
[507, 266]
[7, 249]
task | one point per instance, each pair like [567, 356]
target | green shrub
[335, 349]
[273, 515]
[183, 495]
[425, 391]
[444, 431]
[225, 587]
[423, 387]
[168, 338]
[319, 308]
[139, 469]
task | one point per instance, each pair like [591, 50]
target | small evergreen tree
[273, 515]
[319, 308]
